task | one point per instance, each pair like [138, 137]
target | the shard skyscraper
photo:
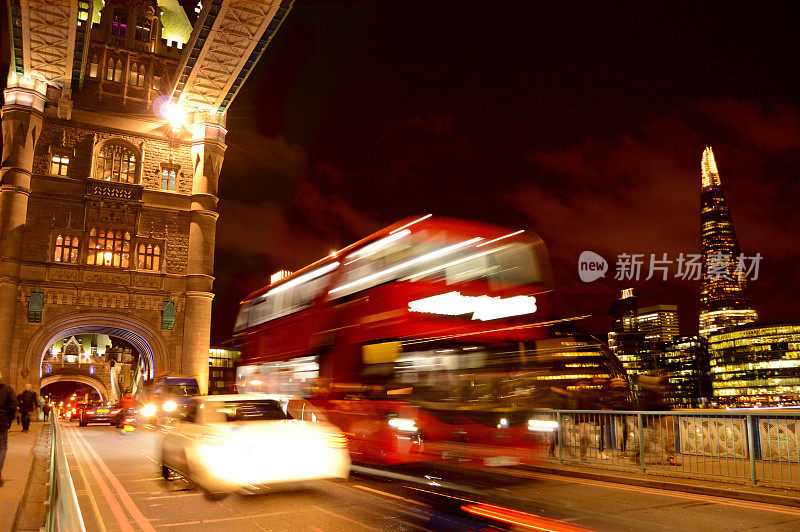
[724, 301]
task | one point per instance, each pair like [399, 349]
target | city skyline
[593, 144]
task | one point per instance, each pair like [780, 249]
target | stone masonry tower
[113, 129]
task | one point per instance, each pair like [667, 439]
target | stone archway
[94, 383]
[141, 334]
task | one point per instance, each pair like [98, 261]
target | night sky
[581, 121]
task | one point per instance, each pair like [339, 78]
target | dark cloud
[640, 193]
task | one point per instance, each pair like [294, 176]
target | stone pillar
[208, 151]
[22, 117]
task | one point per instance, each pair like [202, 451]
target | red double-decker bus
[423, 332]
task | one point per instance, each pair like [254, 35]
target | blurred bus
[423, 332]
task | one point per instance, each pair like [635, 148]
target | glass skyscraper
[723, 298]
[756, 364]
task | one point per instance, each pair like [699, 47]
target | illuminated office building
[637, 334]
[658, 323]
[756, 364]
[723, 298]
[686, 361]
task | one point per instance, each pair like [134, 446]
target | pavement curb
[740, 492]
[27, 517]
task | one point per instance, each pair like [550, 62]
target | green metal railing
[63, 511]
[756, 446]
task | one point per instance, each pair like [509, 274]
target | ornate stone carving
[65, 274]
[106, 278]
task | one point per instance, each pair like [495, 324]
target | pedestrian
[28, 402]
[582, 399]
[616, 398]
[653, 390]
[8, 406]
[46, 411]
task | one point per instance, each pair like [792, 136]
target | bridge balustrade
[756, 446]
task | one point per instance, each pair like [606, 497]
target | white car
[224, 443]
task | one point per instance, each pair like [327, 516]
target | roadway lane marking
[116, 509]
[392, 495]
[171, 496]
[219, 519]
[362, 525]
[87, 491]
[137, 515]
[661, 492]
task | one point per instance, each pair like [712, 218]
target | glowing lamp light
[172, 111]
[170, 406]
[148, 410]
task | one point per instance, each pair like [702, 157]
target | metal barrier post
[559, 420]
[751, 446]
[641, 442]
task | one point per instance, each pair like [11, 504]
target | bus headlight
[149, 410]
[169, 406]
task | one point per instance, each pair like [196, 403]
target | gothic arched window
[109, 248]
[119, 26]
[116, 162]
[93, 66]
[148, 256]
[136, 76]
[143, 25]
[118, 70]
[110, 69]
[66, 249]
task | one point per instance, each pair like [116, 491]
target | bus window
[242, 318]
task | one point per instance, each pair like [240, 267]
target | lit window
[93, 66]
[143, 29]
[91, 370]
[109, 248]
[66, 249]
[136, 76]
[119, 26]
[116, 162]
[156, 83]
[149, 257]
[47, 368]
[169, 178]
[110, 69]
[118, 71]
[59, 164]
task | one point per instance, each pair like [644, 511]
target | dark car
[169, 398]
[97, 413]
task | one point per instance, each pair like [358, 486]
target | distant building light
[91, 370]
[47, 368]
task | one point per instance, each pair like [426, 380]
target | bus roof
[418, 223]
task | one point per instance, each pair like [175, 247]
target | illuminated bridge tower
[723, 298]
[113, 140]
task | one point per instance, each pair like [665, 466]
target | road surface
[119, 487]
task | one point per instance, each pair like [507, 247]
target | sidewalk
[16, 470]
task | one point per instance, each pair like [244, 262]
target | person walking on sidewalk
[8, 407]
[28, 402]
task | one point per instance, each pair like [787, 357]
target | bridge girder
[228, 39]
